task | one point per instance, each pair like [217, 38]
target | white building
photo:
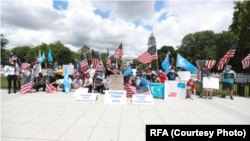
[127, 60]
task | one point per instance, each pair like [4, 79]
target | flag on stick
[108, 61]
[49, 87]
[246, 61]
[50, 58]
[95, 59]
[84, 64]
[165, 63]
[14, 57]
[148, 56]
[26, 85]
[119, 52]
[229, 54]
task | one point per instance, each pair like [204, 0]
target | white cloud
[34, 22]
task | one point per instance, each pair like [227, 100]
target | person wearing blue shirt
[228, 83]
[172, 75]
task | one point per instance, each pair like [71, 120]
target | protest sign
[80, 91]
[228, 75]
[70, 69]
[211, 83]
[143, 99]
[175, 90]
[115, 97]
[184, 75]
[85, 98]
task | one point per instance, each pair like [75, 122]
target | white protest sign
[85, 98]
[143, 99]
[115, 97]
[175, 90]
[70, 69]
[211, 83]
[184, 75]
[80, 91]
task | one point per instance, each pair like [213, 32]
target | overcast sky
[102, 25]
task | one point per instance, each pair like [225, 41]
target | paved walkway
[54, 117]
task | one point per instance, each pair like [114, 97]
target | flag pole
[157, 62]
[226, 64]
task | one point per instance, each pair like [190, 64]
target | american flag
[14, 57]
[115, 70]
[246, 62]
[77, 66]
[49, 87]
[26, 85]
[148, 56]
[108, 61]
[143, 90]
[131, 90]
[208, 63]
[84, 64]
[119, 52]
[95, 59]
[25, 66]
[229, 54]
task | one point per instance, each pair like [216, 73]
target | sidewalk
[54, 117]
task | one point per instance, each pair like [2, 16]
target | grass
[219, 92]
[4, 83]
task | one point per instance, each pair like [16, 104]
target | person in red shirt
[162, 76]
[190, 86]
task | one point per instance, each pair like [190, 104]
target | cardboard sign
[70, 69]
[211, 83]
[175, 90]
[184, 75]
[80, 91]
[228, 75]
[115, 97]
[143, 99]
[85, 98]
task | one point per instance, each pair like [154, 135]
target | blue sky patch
[159, 5]
[104, 15]
[60, 5]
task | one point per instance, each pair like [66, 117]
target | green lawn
[219, 92]
[4, 83]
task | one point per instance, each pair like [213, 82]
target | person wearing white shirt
[11, 69]
[37, 69]
[91, 72]
[106, 83]
[88, 83]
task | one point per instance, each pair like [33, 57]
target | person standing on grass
[228, 82]
[11, 69]
[210, 90]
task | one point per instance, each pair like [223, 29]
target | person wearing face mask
[210, 90]
[172, 75]
[91, 72]
[228, 82]
[106, 83]
[59, 72]
[148, 73]
[78, 82]
[37, 69]
[190, 86]
[99, 68]
[98, 84]
[204, 73]
[154, 77]
[11, 69]
[162, 76]
[88, 83]
[36, 84]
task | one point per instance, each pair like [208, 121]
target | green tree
[151, 41]
[21, 52]
[241, 21]
[84, 49]
[4, 54]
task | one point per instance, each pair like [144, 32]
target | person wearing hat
[154, 77]
[77, 83]
[163, 77]
[148, 73]
[190, 87]
[228, 82]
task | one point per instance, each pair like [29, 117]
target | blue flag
[50, 58]
[144, 81]
[66, 81]
[156, 89]
[183, 63]
[42, 58]
[128, 71]
[165, 64]
[9, 60]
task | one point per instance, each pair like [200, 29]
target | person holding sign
[210, 90]
[229, 76]
[190, 86]
[172, 75]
